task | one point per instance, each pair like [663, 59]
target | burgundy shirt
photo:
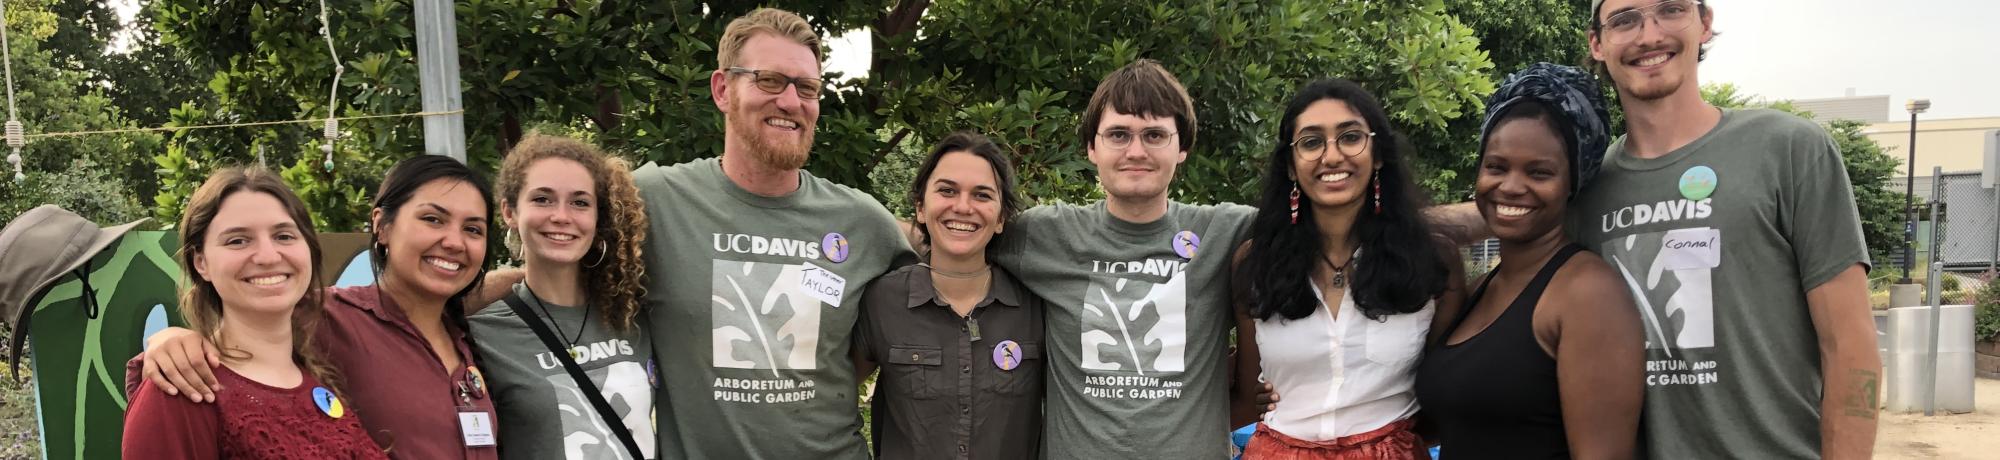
[410, 405]
[249, 420]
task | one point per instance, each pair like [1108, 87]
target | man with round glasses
[1737, 232]
[1136, 285]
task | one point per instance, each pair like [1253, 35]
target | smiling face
[1523, 184]
[437, 240]
[961, 207]
[255, 255]
[1135, 172]
[1335, 179]
[555, 214]
[775, 129]
[1650, 61]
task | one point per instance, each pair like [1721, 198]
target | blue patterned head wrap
[1573, 94]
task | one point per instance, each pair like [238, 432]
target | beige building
[1959, 145]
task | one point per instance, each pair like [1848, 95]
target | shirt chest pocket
[1025, 372]
[1397, 340]
[914, 371]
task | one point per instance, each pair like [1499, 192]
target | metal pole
[437, 72]
[1931, 357]
[1909, 204]
[1932, 278]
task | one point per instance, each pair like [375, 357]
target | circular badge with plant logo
[1698, 183]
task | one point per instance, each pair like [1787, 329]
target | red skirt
[1393, 441]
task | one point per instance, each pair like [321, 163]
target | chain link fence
[1965, 234]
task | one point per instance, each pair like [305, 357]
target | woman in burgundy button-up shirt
[400, 344]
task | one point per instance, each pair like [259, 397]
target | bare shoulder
[1587, 281]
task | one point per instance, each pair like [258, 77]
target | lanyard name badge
[475, 424]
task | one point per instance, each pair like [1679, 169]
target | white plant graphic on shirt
[584, 433]
[1135, 326]
[1677, 306]
[762, 318]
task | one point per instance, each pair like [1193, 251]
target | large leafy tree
[633, 75]
[97, 176]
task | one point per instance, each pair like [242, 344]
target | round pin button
[1698, 183]
[1186, 243]
[835, 247]
[328, 403]
[1007, 355]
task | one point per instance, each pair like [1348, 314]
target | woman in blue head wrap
[1544, 361]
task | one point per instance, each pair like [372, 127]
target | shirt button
[913, 356]
[965, 368]
[961, 448]
[965, 410]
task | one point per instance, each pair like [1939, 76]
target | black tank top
[1494, 395]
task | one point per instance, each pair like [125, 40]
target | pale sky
[1945, 50]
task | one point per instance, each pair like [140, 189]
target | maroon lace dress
[248, 420]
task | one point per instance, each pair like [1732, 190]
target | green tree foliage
[1515, 34]
[1021, 70]
[1868, 169]
[634, 76]
[100, 177]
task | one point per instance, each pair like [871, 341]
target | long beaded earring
[1295, 202]
[1378, 192]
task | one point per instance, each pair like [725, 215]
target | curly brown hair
[202, 306]
[618, 280]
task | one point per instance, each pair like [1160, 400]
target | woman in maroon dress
[250, 257]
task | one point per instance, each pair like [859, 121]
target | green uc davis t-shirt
[1138, 326]
[543, 413]
[1719, 242]
[753, 302]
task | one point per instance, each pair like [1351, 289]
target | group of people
[732, 307]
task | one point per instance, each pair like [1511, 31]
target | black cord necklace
[1339, 271]
[544, 306]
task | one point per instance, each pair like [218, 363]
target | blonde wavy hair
[202, 306]
[772, 21]
[616, 283]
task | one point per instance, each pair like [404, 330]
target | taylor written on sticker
[822, 284]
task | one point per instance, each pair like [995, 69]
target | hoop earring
[1295, 202]
[602, 249]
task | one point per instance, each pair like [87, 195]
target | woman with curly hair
[576, 223]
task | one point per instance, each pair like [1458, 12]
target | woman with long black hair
[1339, 284]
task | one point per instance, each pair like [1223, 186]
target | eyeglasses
[1312, 147]
[773, 82]
[1668, 16]
[1152, 138]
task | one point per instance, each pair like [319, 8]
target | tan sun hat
[38, 248]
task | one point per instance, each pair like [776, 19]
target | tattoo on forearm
[1862, 399]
